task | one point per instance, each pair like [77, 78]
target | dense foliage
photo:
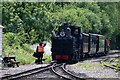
[32, 22]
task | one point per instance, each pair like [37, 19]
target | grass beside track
[101, 64]
[112, 62]
[23, 54]
[89, 66]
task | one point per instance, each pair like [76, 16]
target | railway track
[58, 69]
[110, 59]
[61, 72]
[110, 62]
[26, 73]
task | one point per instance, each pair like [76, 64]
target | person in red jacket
[40, 51]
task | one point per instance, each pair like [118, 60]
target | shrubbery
[12, 46]
[34, 22]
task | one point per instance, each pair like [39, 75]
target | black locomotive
[69, 44]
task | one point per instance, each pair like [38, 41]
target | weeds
[23, 54]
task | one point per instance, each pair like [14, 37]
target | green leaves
[36, 21]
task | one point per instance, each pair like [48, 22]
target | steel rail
[26, 73]
[58, 74]
[67, 75]
[112, 66]
[73, 75]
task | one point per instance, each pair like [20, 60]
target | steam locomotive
[69, 44]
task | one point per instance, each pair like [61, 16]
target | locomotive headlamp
[62, 34]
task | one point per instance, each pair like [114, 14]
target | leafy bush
[23, 53]
[12, 47]
[27, 48]
[47, 57]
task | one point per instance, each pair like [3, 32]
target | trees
[26, 19]
[34, 22]
[112, 10]
[86, 15]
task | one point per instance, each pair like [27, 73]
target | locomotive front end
[62, 48]
[62, 44]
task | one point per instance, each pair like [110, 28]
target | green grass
[111, 62]
[23, 54]
[47, 57]
[88, 66]
[13, 46]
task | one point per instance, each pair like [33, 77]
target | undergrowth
[23, 53]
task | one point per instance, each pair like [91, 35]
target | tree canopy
[31, 22]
